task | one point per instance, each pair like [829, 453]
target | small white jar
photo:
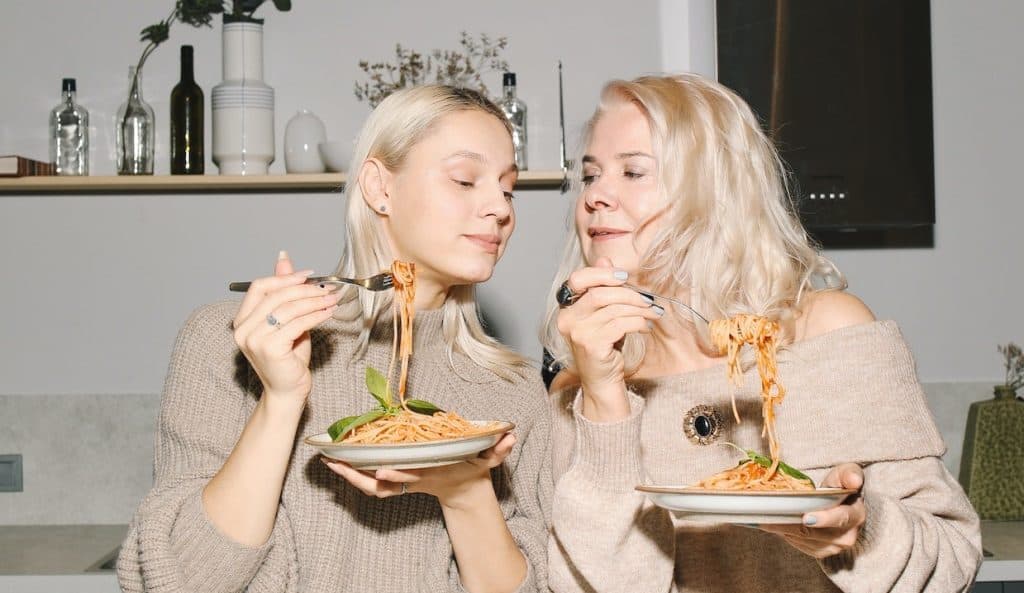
[302, 138]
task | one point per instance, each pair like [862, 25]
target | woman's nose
[498, 205]
[599, 198]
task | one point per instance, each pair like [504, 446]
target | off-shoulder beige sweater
[328, 536]
[853, 396]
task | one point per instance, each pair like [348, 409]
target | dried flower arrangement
[463, 68]
[1013, 362]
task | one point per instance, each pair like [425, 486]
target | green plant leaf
[793, 472]
[378, 386]
[422, 407]
[336, 429]
[784, 467]
[347, 425]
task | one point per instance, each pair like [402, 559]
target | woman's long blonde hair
[729, 239]
[392, 130]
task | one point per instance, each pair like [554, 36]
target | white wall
[96, 286]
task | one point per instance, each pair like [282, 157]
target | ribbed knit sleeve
[921, 533]
[606, 536]
[172, 546]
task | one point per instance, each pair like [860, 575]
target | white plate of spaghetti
[370, 456]
[743, 506]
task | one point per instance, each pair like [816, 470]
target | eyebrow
[621, 156]
[476, 156]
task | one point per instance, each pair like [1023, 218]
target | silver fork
[382, 281]
[651, 295]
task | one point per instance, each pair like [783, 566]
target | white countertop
[1005, 541]
[58, 551]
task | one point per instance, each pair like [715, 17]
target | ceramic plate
[409, 455]
[738, 506]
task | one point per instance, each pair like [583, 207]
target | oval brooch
[702, 425]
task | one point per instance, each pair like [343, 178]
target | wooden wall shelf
[175, 184]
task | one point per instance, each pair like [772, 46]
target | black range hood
[845, 89]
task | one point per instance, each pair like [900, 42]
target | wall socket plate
[10, 473]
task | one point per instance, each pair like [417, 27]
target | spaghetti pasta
[402, 423]
[729, 336]
[750, 475]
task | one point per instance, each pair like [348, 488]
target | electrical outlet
[10, 473]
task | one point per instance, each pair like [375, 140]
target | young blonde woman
[684, 196]
[240, 503]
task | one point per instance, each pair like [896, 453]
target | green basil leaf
[358, 421]
[378, 386]
[785, 468]
[422, 407]
[759, 459]
[793, 472]
[336, 429]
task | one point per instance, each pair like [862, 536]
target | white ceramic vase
[243, 105]
[302, 137]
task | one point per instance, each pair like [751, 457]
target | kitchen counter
[1005, 541]
[57, 549]
[87, 551]
[47, 558]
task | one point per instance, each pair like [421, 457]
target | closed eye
[463, 183]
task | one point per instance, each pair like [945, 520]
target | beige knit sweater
[328, 536]
[852, 396]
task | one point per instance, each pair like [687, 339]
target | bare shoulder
[563, 380]
[829, 310]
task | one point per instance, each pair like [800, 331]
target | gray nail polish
[658, 309]
[621, 275]
[647, 298]
[650, 324]
[812, 520]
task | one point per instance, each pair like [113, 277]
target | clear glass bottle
[69, 133]
[515, 111]
[135, 135]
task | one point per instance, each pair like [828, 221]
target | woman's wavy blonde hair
[397, 125]
[728, 238]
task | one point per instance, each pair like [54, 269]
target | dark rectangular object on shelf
[845, 89]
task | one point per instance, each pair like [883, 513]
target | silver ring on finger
[405, 488]
[565, 295]
[271, 320]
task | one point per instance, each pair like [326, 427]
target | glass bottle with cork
[69, 133]
[515, 111]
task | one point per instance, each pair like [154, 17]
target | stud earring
[383, 208]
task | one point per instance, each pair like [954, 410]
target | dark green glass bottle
[187, 156]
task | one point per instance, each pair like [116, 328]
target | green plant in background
[461, 68]
[198, 13]
[241, 10]
[1013, 362]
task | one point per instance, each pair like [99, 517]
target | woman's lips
[488, 243]
[605, 233]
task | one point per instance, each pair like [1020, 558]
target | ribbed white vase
[243, 105]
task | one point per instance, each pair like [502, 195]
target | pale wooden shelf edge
[148, 184]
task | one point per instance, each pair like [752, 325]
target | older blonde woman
[241, 504]
[684, 196]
